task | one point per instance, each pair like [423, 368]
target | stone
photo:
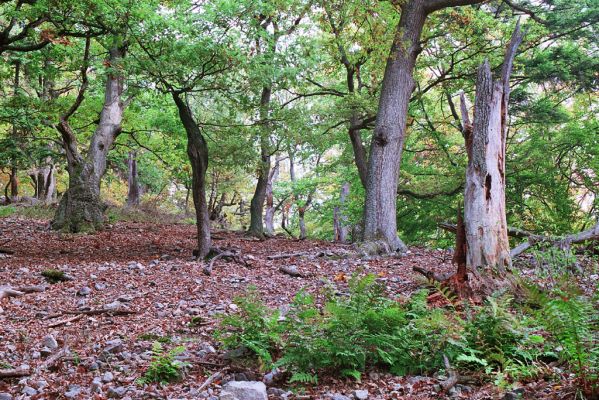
[5, 396]
[44, 351]
[96, 385]
[515, 394]
[84, 291]
[29, 391]
[73, 392]
[337, 396]
[116, 392]
[99, 286]
[244, 390]
[361, 394]
[49, 342]
[107, 377]
[114, 346]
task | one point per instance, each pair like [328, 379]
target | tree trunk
[484, 196]
[257, 203]
[358, 148]
[339, 217]
[380, 224]
[197, 151]
[81, 209]
[133, 193]
[14, 180]
[301, 211]
[269, 215]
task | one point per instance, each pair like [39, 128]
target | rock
[361, 394]
[337, 396]
[96, 385]
[73, 392]
[515, 394]
[35, 355]
[99, 286]
[5, 396]
[84, 291]
[107, 377]
[116, 392]
[29, 391]
[124, 299]
[114, 346]
[244, 390]
[49, 342]
[44, 351]
[233, 307]
[93, 366]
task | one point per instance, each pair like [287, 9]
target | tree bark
[14, 180]
[380, 224]
[81, 209]
[257, 203]
[269, 215]
[484, 196]
[133, 193]
[197, 151]
[340, 219]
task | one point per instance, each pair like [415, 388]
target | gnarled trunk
[257, 203]
[133, 192]
[484, 197]
[197, 151]
[81, 209]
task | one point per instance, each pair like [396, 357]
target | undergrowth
[164, 366]
[345, 335]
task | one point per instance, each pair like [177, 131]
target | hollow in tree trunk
[485, 223]
[197, 151]
[81, 209]
[133, 193]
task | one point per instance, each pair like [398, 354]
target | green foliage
[255, 327]
[7, 211]
[164, 366]
[54, 275]
[573, 321]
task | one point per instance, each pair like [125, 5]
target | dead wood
[211, 379]
[563, 242]
[53, 359]
[291, 270]
[7, 251]
[14, 372]
[9, 291]
[452, 378]
[227, 254]
[65, 321]
[283, 256]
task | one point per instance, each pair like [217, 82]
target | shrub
[164, 366]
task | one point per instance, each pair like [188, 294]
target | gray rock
[114, 346]
[73, 392]
[45, 351]
[5, 396]
[116, 392]
[93, 366]
[49, 342]
[29, 391]
[107, 377]
[96, 385]
[361, 394]
[337, 396]
[99, 286]
[515, 394]
[244, 390]
[84, 291]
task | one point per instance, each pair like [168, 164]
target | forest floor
[147, 268]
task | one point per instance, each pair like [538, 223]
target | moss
[54, 275]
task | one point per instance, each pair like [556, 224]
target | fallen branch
[110, 310]
[234, 255]
[452, 378]
[283, 256]
[65, 321]
[15, 372]
[211, 379]
[53, 359]
[7, 251]
[562, 242]
[9, 291]
[291, 270]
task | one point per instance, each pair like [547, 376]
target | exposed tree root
[227, 254]
[452, 375]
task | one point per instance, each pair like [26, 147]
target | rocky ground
[90, 337]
